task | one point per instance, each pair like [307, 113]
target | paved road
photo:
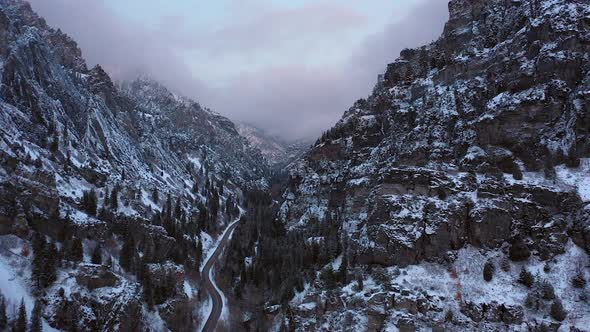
[209, 282]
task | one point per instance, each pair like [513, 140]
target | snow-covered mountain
[109, 193]
[454, 198]
[277, 151]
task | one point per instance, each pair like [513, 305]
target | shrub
[578, 280]
[488, 271]
[557, 311]
[526, 278]
[519, 251]
[531, 301]
[359, 282]
[449, 316]
[517, 174]
[547, 291]
[505, 265]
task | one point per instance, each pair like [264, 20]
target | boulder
[95, 276]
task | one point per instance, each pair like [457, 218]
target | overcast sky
[289, 66]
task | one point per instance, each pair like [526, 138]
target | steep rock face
[455, 123]
[478, 140]
[140, 151]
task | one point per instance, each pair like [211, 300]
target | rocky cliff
[470, 151]
[115, 187]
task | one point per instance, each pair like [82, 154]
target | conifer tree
[127, 254]
[36, 325]
[76, 250]
[55, 143]
[38, 258]
[177, 210]
[526, 278]
[45, 261]
[156, 196]
[107, 200]
[3, 317]
[89, 202]
[115, 198]
[557, 311]
[20, 324]
[97, 255]
[488, 271]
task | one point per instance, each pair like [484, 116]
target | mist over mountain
[254, 66]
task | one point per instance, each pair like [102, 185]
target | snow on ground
[14, 287]
[300, 296]
[154, 321]
[336, 263]
[188, 289]
[577, 177]
[466, 279]
[71, 186]
[567, 178]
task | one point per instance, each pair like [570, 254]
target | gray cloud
[303, 100]
[275, 28]
[123, 48]
[292, 100]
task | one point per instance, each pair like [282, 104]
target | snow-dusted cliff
[116, 189]
[471, 154]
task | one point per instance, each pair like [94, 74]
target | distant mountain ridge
[277, 151]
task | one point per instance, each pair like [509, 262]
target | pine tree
[51, 261]
[199, 253]
[76, 250]
[55, 143]
[203, 218]
[97, 255]
[38, 259]
[177, 210]
[488, 271]
[45, 261]
[526, 278]
[156, 196]
[3, 317]
[20, 324]
[578, 281]
[342, 271]
[89, 202]
[107, 200]
[115, 199]
[557, 311]
[168, 208]
[359, 282]
[127, 254]
[36, 318]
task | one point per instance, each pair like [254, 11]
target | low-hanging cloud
[293, 99]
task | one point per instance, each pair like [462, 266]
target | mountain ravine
[455, 197]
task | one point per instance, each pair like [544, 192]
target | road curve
[209, 281]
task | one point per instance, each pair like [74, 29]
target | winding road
[209, 281]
